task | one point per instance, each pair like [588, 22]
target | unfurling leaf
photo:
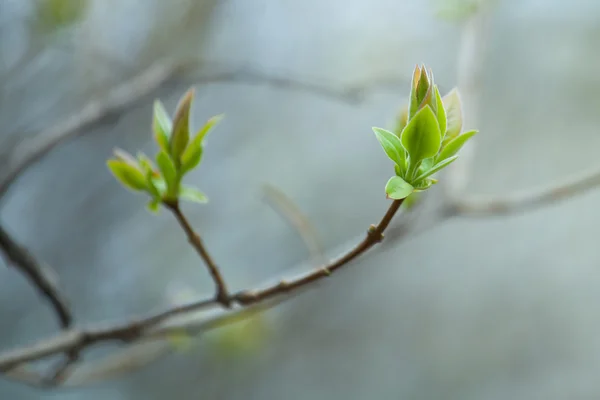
[453, 146]
[437, 167]
[150, 172]
[424, 185]
[167, 168]
[181, 127]
[210, 124]
[192, 155]
[397, 188]
[440, 112]
[426, 164]
[454, 117]
[421, 137]
[162, 126]
[154, 205]
[191, 194]
[391, 145]
[414, 98]
[124, 156]
[128, 175]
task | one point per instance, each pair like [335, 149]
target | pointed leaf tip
[127, 174]
[181, 126]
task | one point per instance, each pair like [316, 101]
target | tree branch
[41, 277]
[374, 236]
[526, 200]
[222, 294]
[79, 339]
[122, 96]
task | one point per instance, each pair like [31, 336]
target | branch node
[374, 234]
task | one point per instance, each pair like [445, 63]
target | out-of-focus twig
[78, 339]
[526, 200]
[41, 276]
[353, 95]
[122, 96]
[470, 60]
[292, 213]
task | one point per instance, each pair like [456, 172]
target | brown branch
[374, 236]
[81, 338]
[38, 274]
[222, 294]
[127, 332]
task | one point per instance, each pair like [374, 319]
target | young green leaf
[161, 125]
[424, 185]
[154, 205]
[160, 184]
[414, 101]
[454, 117]
[454, 145]
[426, 164]
[181, 127]
[421, 138]
[191, 158]
[149, 171]
[169, 173]
[192, 194]
[208, 126]
[192, 155]
[442, 164]
[391, 145]
[423, 87]
[397, 188]
[440, 112]
[128, 175]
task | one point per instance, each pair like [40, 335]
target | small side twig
[38, 274]
[374, 236]
[290, 211]
[222, 295]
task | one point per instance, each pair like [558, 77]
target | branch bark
[78, 339]
[40, 276]
[222, 294]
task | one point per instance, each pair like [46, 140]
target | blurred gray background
[497, 308]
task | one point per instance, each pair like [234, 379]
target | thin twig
[527, 200]
[131, 331]
[222, 294]
[39, 275]
[292, 213]
[374, 236]
[81, 338]
[122, 96]
[353, 95]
